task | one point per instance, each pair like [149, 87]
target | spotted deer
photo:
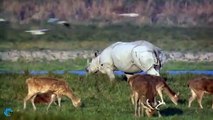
[144, 91]
[54, 87]
[199, 86]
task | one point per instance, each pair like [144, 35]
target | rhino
[129, 57]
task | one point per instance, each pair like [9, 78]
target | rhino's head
[94, 65]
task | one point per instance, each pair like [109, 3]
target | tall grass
[175, 12]
[101, 99]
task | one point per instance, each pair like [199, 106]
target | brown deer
[43, 98]
[198, 87]
[54, 87]
[145, 88]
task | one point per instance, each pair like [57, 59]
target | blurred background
[152, 12]
[174, 25]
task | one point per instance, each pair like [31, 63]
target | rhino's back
[116, 52]
[121, 55]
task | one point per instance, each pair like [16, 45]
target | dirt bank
[49, 55]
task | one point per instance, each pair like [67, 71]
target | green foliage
[101, 99]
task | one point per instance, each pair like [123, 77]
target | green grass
[178, 65]
[80, 64]
[77, 64]
[101, 100]
[79, 37]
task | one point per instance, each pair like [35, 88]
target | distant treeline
[152, 12]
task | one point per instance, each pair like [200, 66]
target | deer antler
[159, 104]
[145, 106]
[148, 105]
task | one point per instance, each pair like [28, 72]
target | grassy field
[101, 99]
[78, 37]
[80, 64]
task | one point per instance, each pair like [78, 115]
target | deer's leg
[132, 98]
[199, 98]
[139, 107]
[136, 103]
[159, 90]
[212, 104]
[32, 101]
[59, 101]
[53, 97]
[192, 98]
[142, 107]
[139, 110]
[55, 102]
[136, 108]
[26, 99]
[142, 110]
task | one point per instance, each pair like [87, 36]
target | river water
[82, 72]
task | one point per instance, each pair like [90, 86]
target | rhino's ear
[96, 53]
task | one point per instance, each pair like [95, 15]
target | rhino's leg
[107, 69]
[145, 61]
[152, 71]
[110, 74]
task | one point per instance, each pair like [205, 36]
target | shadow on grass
[171, 111]
[182, 101]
